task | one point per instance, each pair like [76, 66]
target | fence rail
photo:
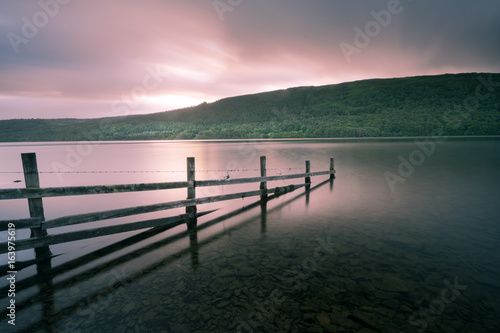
[38, 225]
[32, 193]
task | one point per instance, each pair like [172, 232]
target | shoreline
[326, 140]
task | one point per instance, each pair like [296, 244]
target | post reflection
[45, 283]
[307, 193]
[263, 216]
[193, 246]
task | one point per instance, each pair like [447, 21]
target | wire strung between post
[148, 171]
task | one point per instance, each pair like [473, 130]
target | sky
[94, 58]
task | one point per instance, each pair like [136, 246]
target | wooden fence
[40, 239]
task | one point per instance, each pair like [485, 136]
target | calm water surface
[352, 255]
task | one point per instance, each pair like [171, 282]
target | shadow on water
[47, 275]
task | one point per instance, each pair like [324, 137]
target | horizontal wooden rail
[34, 222]
[30, 193]
[104, 215]
[200, 183]
[26, 244]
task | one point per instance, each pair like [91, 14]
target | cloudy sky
[94, 58]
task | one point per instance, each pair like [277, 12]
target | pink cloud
[94, 53]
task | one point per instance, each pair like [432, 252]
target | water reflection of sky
[443, 217]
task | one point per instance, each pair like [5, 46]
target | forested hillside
[458, 104]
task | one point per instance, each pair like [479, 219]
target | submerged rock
[391, 283]
[323, 319]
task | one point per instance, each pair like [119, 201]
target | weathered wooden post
[192, 220]
[263, 173]
[308, 181]
[332, 175]
[42, 254]
[308, 170]
[32, 180]
[191, 193]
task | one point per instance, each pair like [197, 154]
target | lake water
[405, 239]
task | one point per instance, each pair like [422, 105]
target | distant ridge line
[437, 105]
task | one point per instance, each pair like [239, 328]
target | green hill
[451, 104]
